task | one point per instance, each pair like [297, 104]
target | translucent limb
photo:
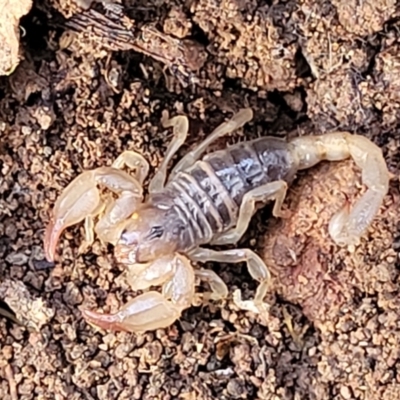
[135, 162]
[143, 276]
[238, 120]
[256, 267]
[218, 288]
[180, 289]
[146, 312]
[181, 127]
[273, 190]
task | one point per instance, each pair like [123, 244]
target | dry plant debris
[116, 32]
[31, 313]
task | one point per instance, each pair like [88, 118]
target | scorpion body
[208, 199]
[207, 196]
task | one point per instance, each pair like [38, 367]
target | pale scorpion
[208, 199]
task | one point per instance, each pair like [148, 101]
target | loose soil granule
[73, 103]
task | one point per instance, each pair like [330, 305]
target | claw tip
[51, 237]
[102, 321]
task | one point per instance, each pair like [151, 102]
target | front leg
[152, 310]
[135, 162]
[218, 288]
[273, 190]
[255, 265]
[239, 119]
[180, 126]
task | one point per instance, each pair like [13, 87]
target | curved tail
[348, 225]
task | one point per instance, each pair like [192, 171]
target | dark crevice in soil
[303, 69]
[199, 36]
[36, 35]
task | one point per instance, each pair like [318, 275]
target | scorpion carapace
[208, 199]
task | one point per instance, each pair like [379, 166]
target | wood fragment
[183, 57]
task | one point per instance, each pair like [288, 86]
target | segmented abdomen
[209, 194]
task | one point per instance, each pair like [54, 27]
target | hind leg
[181, 128]
[255, 265]
[238, 120]
[273, 190]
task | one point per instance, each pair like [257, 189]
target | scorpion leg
[273, 190]
[180, 124]
[218, 288]
[238, 120]
[81, 199]
[152, 310]
[90, 226]
[135, 162]
[181, 128]
[255, 265]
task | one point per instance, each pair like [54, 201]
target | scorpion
[208, 199]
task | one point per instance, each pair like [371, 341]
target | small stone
[17, 258]
[345, 392]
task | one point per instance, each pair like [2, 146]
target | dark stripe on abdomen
[187, 199]
[220, 210]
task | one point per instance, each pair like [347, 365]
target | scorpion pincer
[208, 199]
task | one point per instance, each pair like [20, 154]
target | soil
[85, 91]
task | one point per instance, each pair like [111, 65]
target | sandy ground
[76, 101]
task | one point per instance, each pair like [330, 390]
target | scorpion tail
[349, 224]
